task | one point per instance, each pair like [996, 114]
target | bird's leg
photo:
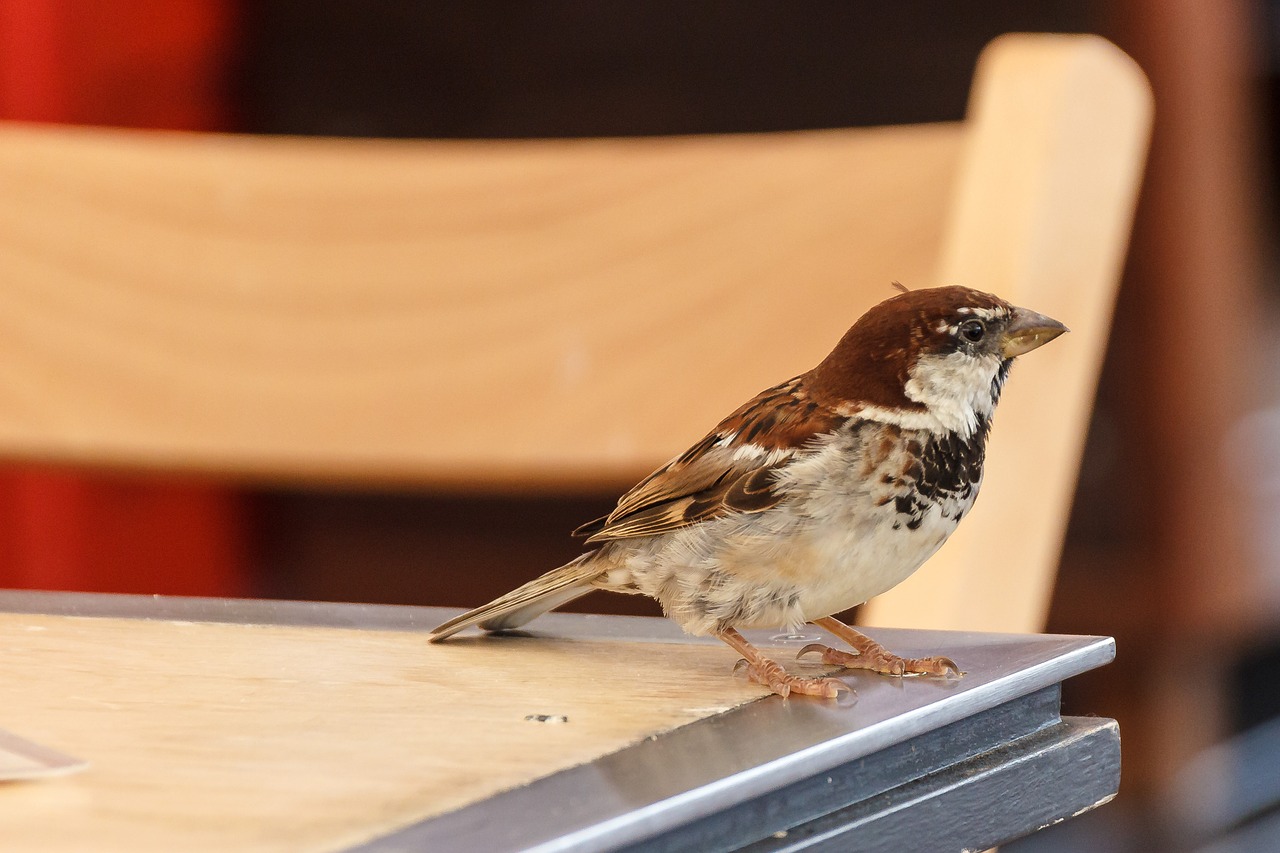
[770, 674]
[873, 656]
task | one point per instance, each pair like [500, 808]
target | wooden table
[257, 725]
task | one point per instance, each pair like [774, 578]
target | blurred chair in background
[529, 315]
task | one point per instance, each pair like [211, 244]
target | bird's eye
[972, 330]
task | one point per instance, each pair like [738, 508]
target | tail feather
[523, 604]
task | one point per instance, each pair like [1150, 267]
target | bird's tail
[525, 603]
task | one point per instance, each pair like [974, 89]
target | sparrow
[814, 496]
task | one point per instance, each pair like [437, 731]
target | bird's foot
[884, 661]
[770, 674]
[873, 656]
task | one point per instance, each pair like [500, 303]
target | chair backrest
[526, 313]
[1044, 197]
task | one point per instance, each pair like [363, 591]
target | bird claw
[940, 666]
[771, 675]
[884, 663]
[946, 667]
[824, 654]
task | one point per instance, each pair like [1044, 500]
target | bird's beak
[1028, 330]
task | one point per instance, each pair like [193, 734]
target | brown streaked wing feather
[688, 473]
[712, 479]
[742, 489]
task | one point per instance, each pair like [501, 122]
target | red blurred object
[132, 63]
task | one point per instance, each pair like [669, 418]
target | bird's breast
[876, 504]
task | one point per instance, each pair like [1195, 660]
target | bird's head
[934, 358]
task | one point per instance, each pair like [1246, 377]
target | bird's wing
[731, 470]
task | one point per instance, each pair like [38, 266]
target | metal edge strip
[595, 797]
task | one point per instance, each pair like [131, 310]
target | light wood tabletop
[254, 725]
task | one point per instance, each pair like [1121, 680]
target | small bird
[813, 497]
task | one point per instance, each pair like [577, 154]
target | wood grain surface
[532, 312]
[217, 737]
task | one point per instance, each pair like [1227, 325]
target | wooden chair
[528, 314]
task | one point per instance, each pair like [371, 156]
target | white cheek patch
[955, 388]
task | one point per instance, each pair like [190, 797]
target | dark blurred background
[1173, 546]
